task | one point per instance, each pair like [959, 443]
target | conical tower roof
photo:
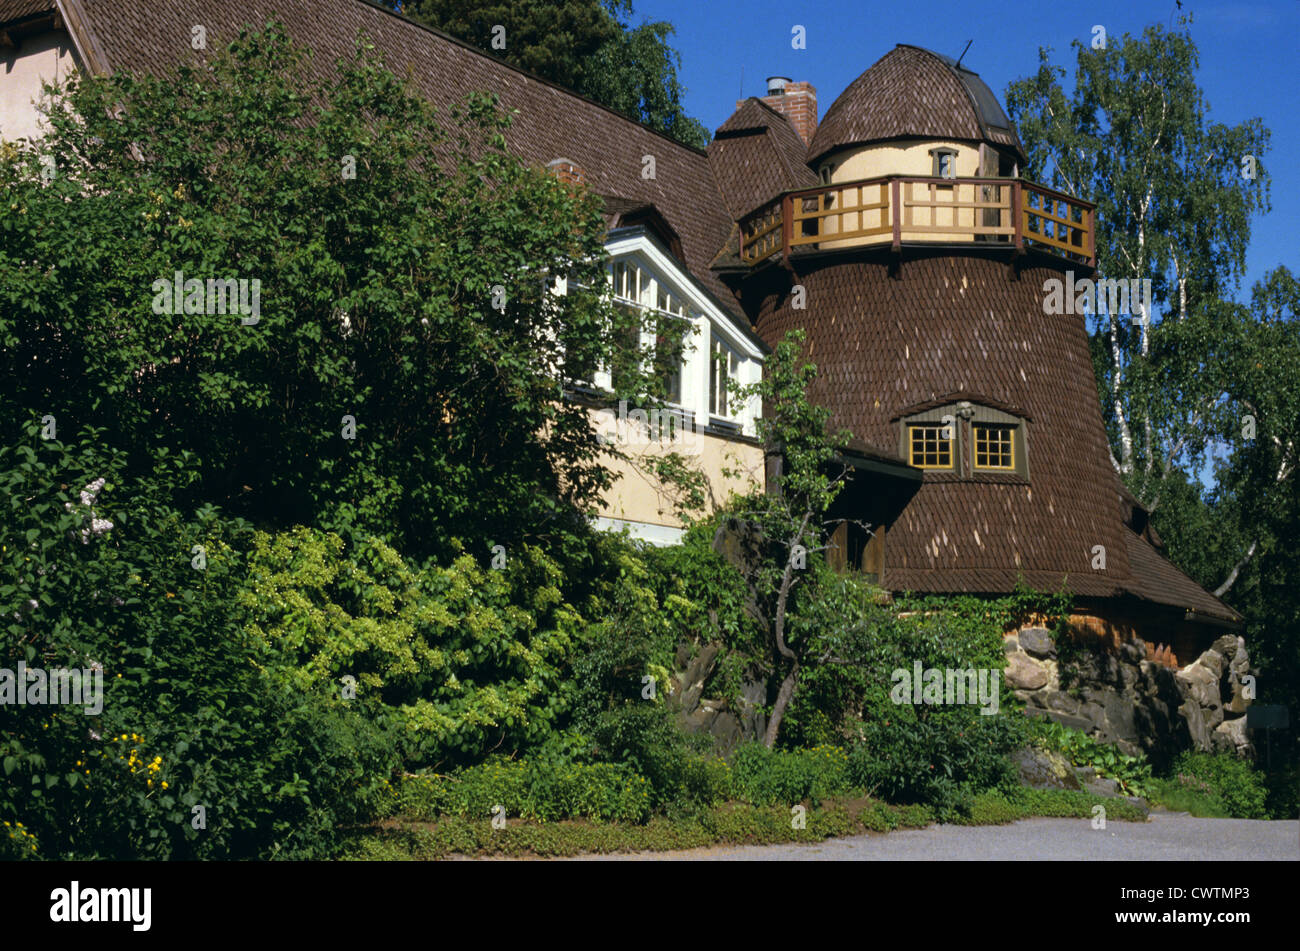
[912, 92]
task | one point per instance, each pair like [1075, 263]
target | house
[896, 232]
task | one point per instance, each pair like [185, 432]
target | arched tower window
[944, 163]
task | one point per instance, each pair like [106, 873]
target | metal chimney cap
[776, 85]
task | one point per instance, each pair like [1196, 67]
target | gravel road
[1166, 837]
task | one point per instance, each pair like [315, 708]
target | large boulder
[1025, 674]
[1037, 642]
[1201, 682]
[1226, 646]
[1230, 736]
[1196, 736]
[1040, 769]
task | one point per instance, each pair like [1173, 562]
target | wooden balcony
[897, 209]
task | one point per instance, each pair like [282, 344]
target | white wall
[44, 57]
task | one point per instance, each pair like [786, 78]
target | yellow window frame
[981, 445]
[942, 446]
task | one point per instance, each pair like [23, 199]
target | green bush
[1133, 773]
[191, 716]
[543, 791]
[935, 756]
[763, 777]
[1215, 784]
[607, 703]
[466, 658]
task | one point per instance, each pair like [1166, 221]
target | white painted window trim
[707, 321]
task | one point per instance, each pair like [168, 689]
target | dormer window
[967, 440]
[945, 163]
[676, 337]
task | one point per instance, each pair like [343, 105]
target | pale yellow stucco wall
[638, 497]
[45, 57]
[911, 157]
[903, 157]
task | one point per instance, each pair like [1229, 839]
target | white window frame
[706, 320]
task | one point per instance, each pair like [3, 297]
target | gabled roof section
[913, 92]
[958, 397]
[1154, 577]
[550, 121]
[623, 212]
[755, 155]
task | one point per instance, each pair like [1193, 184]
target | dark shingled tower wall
[954, 322]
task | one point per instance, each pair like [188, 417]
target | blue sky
[1250, 62]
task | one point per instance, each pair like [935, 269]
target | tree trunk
[1125, 438]
[778, 709]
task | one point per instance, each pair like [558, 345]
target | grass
[1177, 797]
[728, 824]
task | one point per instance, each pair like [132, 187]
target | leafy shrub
[467, 658]
[190, 715]
[1133, 773]
[542, 791]
[924, 756]
[646, 737]
[1284, 790]
[764, 777]
[635, 638]
[1215, 783]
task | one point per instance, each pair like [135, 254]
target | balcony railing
[898, 209]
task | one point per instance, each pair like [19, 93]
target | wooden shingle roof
[755, 155]
[1156, 579]
[13, 10]
[913, 92]
[551, 121]
[951, 324]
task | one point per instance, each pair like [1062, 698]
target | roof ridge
[776, 147]
[525, 72]
[93, 47]
[956, 71]
[738, 110]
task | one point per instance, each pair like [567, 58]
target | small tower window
[930, 446]
[995, 446]
[945, 163]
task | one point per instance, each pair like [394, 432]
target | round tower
[918, 269]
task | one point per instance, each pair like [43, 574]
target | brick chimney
[796, 101]
[567, 171]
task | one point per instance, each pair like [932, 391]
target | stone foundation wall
[1122, 696]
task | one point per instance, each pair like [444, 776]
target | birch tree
[1175, 195]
